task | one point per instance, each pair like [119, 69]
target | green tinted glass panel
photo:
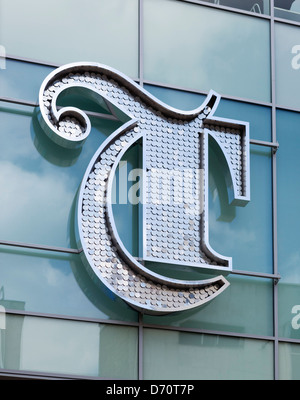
[68, 347]
[103, 31]
[243, 233]
[255, 6]
[259, 117]
[288, 9]
[244, 307]
[201, 55]
[287, 65]
[289, 361]
[22, 80]
[55, 283]
[40, 180]
[288, 170]
[178, 355]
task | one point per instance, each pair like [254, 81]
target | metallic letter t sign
[175, 184]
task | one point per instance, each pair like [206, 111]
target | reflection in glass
[71, 31]
[178, 355]
[55, 283]
[22, 80]
[243, 233]
[41, 179]
[70, 347]
[256, 6]
[288, 9]
[287, 58]
[289, 361]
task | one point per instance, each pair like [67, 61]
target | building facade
[55, 321]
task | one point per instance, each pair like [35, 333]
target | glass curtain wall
[55, 314]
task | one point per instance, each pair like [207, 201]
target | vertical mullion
[140, 348]
[274, 190]
[141, 82]
[141, 42]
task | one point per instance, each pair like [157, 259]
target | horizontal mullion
[285, 108]
[242, 272]
[31, 61]
[78, 251]
[209, 332]
[287, 21]
[264, 143]
[256, 274]
[71, 318]
[36, 375]
[34, 104]
[40, 247]
[18, 101]
[288, 340]
[42, 63]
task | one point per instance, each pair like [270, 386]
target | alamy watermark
[296, 319]
[2, 57]
[296, 59]
[157, 186]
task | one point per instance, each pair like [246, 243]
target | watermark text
[296, 319]
[157, 187]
